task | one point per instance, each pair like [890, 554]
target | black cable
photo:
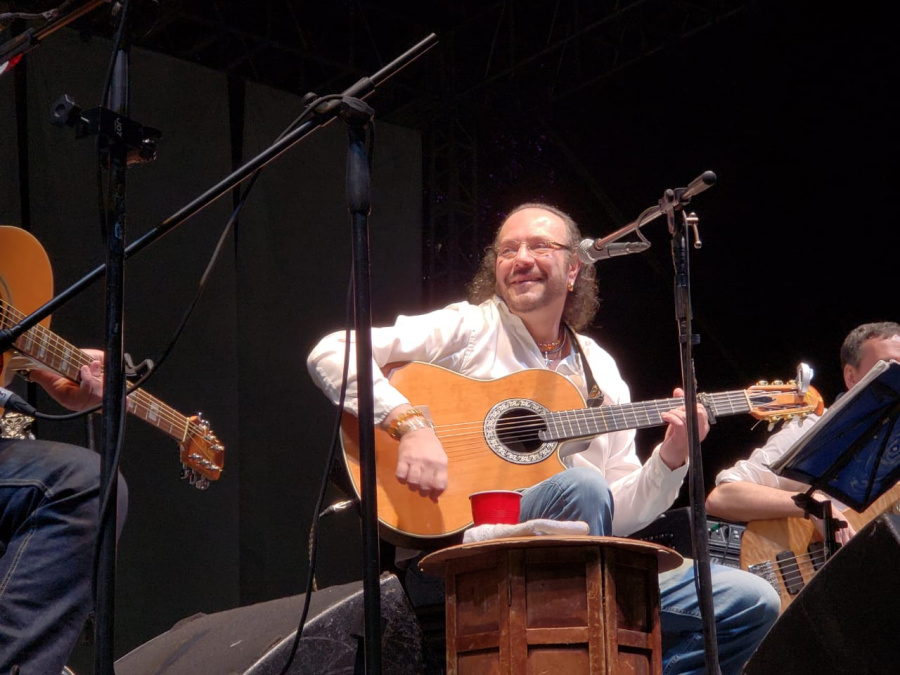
[323, 488]
[318, 512]
[335, 438]
[727, 535]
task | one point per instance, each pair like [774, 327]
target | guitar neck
[585, 422]
[47, 348]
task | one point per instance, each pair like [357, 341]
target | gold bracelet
[412, 424]
[407, 421]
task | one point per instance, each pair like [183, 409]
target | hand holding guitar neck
[79, 395]
[74, 376]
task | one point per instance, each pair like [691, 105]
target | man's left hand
[81, 395]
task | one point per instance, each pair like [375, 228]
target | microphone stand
[113, 416]
[13, 50]
[674, 201]
[356, 115]
[325, 114]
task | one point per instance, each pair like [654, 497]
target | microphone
[702, 182]
[12, 401]
[589, 253]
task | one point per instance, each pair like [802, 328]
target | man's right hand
[842, 535]
[422, 463]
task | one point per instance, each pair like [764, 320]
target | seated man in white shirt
[751, 491]
[526, 305]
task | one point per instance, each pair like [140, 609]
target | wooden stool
[570, 605]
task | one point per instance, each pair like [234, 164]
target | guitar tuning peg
[193, 478]
[778, 383]
[762, 383]
[771, 426]
[202, 423]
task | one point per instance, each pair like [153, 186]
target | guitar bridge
[767, 572]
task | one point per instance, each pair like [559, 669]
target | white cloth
[536, 527]
[485, 342]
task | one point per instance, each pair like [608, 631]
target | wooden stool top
[436, 563]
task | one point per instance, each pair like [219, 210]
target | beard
[536, 294]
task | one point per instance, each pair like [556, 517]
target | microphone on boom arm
[588, 252]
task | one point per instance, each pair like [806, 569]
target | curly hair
[581, 304]
[851, 350]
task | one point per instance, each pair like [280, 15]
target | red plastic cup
[495, 506]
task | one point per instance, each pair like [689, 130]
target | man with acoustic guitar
[749, 491]
[49, 501]
[528, 299]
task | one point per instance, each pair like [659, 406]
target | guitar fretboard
[585, 422]
[48, 349]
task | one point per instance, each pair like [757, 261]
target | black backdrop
[794, 110]
[792, 107]
[280, 284]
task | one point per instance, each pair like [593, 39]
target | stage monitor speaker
[257, 639]
[845, 620]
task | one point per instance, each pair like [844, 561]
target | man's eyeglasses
[508, 250]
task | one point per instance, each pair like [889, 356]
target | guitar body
[511, 433]
[26, 278]
[461, 409]
[779, 549]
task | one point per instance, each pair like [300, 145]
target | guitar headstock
[777, 401]
[202, 455]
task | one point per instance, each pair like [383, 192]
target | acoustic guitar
[512, 432]
[788, 552]
[26, 283]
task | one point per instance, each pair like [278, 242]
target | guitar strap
[595, 394]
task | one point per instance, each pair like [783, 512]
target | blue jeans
[49, 500]
[745, 605]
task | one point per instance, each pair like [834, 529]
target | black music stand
[853, 452]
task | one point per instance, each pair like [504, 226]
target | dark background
[596, 107]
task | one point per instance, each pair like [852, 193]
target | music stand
[853, 452]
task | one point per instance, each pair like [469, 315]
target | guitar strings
[465, 436]
[791, 565]
[66, 353]
[468, 437]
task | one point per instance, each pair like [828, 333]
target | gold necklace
[551, 349]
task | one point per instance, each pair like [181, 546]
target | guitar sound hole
[518, 431]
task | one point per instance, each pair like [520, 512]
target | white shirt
[755, 469]
[487, 341]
